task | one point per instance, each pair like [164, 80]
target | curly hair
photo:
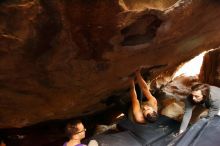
[152, 117]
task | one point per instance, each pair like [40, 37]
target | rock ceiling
[61, 59]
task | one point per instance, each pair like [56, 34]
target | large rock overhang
[61, 59]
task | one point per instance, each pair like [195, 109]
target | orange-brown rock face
[60, 59]
[210, 71]
[143, 4]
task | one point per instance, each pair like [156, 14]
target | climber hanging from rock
[142, 112]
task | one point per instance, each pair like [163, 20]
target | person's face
[147, 110]
[81, 131]
[197, 96]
